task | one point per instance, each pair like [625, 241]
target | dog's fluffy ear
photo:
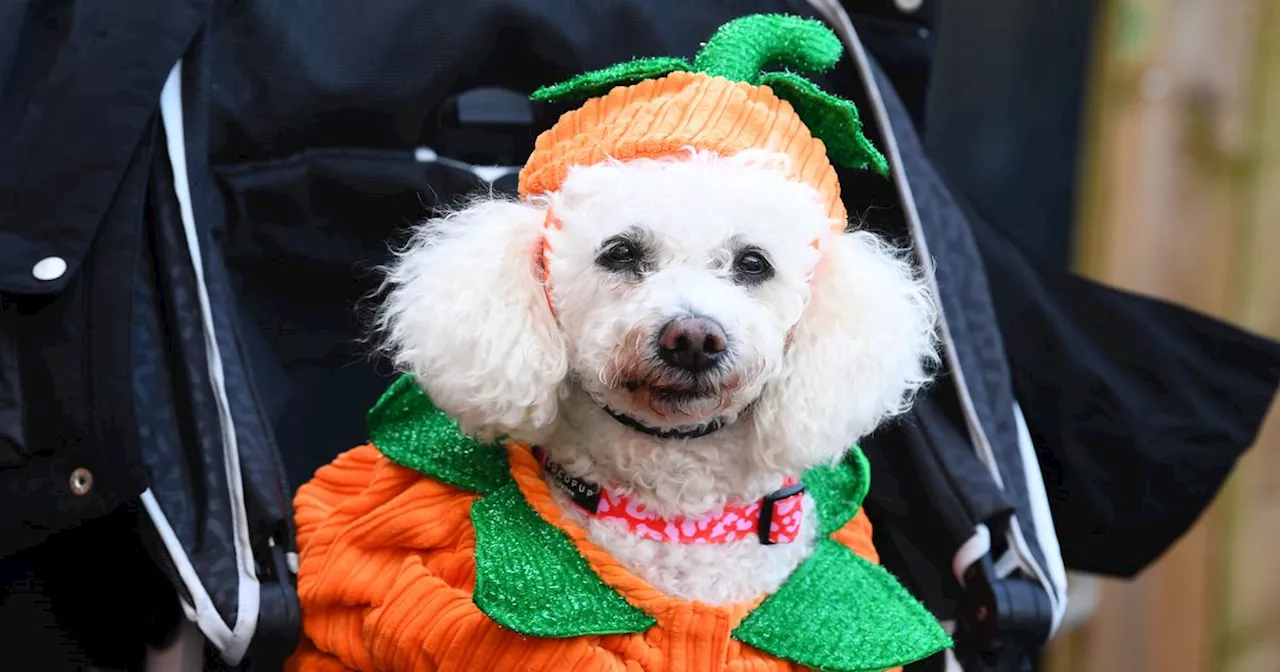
[865, 345]
[466, 315]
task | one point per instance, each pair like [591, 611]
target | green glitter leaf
[407, 428]
[832, 120]
[531, 579]
[600, 82]
[838, 490]
[741, 49]
[840, 613]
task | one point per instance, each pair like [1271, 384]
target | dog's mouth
[685, 432]
[672, 396]
[704, 407]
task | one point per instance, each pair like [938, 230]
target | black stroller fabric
[296, 141]
[133, 401]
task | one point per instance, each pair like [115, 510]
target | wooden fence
[1181, 200]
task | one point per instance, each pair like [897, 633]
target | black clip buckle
[1002, 622]
[766, 509]
[280, 614]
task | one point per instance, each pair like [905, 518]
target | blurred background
[1179, 197]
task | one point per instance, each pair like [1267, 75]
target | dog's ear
[466, 315]
[864, 346]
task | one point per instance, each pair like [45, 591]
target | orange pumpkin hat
[725, 101]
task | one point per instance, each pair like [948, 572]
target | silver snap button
[909, 5]
[49, 268]
[425, 155]
[81, 481]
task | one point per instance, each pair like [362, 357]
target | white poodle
[689, 332]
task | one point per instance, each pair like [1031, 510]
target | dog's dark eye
[751, 267]
[621, 254]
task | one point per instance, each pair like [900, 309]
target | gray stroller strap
[1020, 595]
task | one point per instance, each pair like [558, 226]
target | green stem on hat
[744, 50]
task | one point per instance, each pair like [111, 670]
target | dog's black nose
[693, 344]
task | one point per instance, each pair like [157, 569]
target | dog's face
[678, 294]
[676, 283]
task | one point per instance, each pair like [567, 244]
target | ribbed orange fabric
[662, 117]
[387, 574]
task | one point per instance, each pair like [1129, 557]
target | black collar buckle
[766, 510]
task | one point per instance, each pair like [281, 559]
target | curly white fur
[467, 315]
[466, 318]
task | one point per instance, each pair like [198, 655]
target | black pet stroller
[266, 155]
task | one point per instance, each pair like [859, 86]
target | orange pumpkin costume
[393, 577]
[363, 489]
[427, 551]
